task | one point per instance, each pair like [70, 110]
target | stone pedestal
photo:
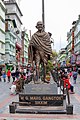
[41, 95]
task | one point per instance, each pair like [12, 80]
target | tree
[54, 54]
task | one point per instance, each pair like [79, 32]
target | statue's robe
[41, 42]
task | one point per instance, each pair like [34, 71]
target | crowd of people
[6, 75]
[17, 78]
[66, 75]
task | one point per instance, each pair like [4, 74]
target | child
[13, 89]
[4, 76]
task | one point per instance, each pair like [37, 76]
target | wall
[2, 28]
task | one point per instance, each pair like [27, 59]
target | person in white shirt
[13, 89]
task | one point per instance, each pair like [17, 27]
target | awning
[18, 45]
[2, 63]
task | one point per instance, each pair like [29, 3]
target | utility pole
[73, 57]
[73, 39]
[43, 14]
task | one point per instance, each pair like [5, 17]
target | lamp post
[73, 39]
[43, 14]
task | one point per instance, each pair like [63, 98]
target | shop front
[2, 65]
[78, 60]
[18, 49]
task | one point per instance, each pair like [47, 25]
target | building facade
[74, 41]
[10, 41]
[62, 58]
[13, 12]
[2, 32]
[24, 51]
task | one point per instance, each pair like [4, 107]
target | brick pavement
[6, 98]
[38, 117]
[75, 98]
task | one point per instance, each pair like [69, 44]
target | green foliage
[49, 66]
[54, 54]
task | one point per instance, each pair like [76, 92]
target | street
[6, 99]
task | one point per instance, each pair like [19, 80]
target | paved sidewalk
[75, 98]
[38, 117]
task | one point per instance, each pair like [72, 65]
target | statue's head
[39, 25]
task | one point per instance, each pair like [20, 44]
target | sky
[59, 15]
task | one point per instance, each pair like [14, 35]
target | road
[6, 99]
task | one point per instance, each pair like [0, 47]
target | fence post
[69, 107]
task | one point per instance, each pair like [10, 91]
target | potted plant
[49, 67]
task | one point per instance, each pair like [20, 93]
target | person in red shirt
[70, 74]
[66, 81]
[8, 75]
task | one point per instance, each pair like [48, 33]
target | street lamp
[43, 14]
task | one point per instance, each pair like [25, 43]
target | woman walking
[74, 76]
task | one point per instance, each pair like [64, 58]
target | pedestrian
[13, 88]
[79, 71]
[13, 74]
[17, 73]
[70, 74]
[8, 75]
[65, 70]
[18, 86]
[0, 74]
[29, 76]
[74, 76]
[4, 75]
[67, 82]
[24, 71]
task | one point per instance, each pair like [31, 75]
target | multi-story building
[68, 48]
[75, 40]
[10, 40]
[13, 12]
[2, 32]
[24, 51]
[62, 57]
